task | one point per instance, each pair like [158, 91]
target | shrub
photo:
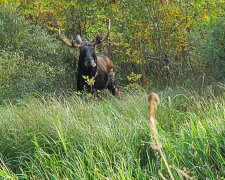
[31, 60]
[20, 76]
[209, 46]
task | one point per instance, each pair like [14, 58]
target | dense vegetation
[156, 42]
[49, 132]
[72, 138]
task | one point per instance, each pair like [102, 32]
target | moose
[100, 67]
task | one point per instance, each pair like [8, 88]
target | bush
[31, 60]
[20, 76]
[209, 47]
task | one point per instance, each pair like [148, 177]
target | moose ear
[78, 39]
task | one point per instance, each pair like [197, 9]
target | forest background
[153, 43]
[174, 47]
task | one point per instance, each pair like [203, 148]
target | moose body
[103, 73]
[90, 65]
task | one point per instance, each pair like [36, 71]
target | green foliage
[20, 76]
[19, 35]
[148, 37]
[162, 41]
[89, 81]
[134, 81]
[30, 59]
[63, 138]
[210, 46]
[67, 138]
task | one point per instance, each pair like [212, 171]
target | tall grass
[75, 138]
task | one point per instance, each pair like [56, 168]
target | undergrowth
[80, 138]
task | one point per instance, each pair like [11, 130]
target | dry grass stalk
[184, 174]
[161, 175]
[153, 100]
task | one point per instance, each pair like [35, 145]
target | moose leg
[80, 83]
[113, 90]
[112, 83]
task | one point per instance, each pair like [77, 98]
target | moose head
[100, 67]
[87, 49]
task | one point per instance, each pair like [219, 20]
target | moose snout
[90, 63]
[93, 64]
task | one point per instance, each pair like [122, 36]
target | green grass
[74, 138]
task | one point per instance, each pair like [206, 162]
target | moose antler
[71, 43]
[99, 39]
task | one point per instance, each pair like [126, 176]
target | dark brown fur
[103, 73]
[98, 67]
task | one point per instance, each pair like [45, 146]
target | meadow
[49, 131]
[83, 138]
